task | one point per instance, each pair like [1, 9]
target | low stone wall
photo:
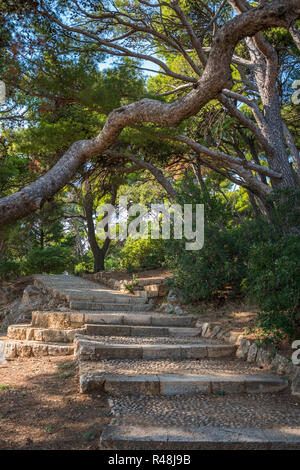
[248, 350]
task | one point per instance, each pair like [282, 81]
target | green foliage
[50, 260]
[130, 285]
[220, 265]
[9, 270]
[86, 265]
[147, 254]
[273, 281]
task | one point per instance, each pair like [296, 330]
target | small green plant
[49, 429]
[66, 375]
[130, 285]
[90, 434]
[66, 366]
[4, 387]
[66, 369]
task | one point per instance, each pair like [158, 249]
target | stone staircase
[168, 386]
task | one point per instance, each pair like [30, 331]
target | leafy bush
[50, 260]
[9, 269]
[220, 265]
[203, 274]
[273, 281]
[86, 264]
[148, 254]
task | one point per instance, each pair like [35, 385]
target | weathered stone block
[176, 384]
[141, 385]
[251, 357]
[263, 358]
[243, 349]
[296, 383]
[221, 350]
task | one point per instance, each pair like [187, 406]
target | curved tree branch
[216, 76]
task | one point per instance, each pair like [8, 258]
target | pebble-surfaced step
[96, 377]
[121, 436]
[91, 348]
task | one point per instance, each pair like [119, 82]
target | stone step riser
[106, 299]
[140, 319]
[57, 320]
[177, 385]
[125, 437]
[97, 306]
[22, 333]
[14, 349]
[111, 330]
[61, 320]
[91, 352]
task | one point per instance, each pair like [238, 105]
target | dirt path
[41, 408]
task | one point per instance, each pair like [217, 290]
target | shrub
[9, 270]
[203, 274]
[220, 265]
[50, 260]
[273, 281]
[148, 254]
[86, 264]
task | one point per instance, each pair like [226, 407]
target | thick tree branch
[216, 76]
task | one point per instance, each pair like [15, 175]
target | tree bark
[99, 253]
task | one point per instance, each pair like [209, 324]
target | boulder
[178, 310]
[243, 349]
[252, 353]
[296, 383]
[32, 299]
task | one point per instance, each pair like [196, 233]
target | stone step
[111, 299]
[57, 320]
[47, 335]
[121, 436]
[127, 330]
[103, 306]
[141, 319]
[96, 378]
[77, 319]
[14, 349]
[89, 348]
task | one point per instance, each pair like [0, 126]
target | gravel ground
[41, 407]
[204, 366]
[249, 410]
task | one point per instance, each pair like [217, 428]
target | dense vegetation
[239, 155]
